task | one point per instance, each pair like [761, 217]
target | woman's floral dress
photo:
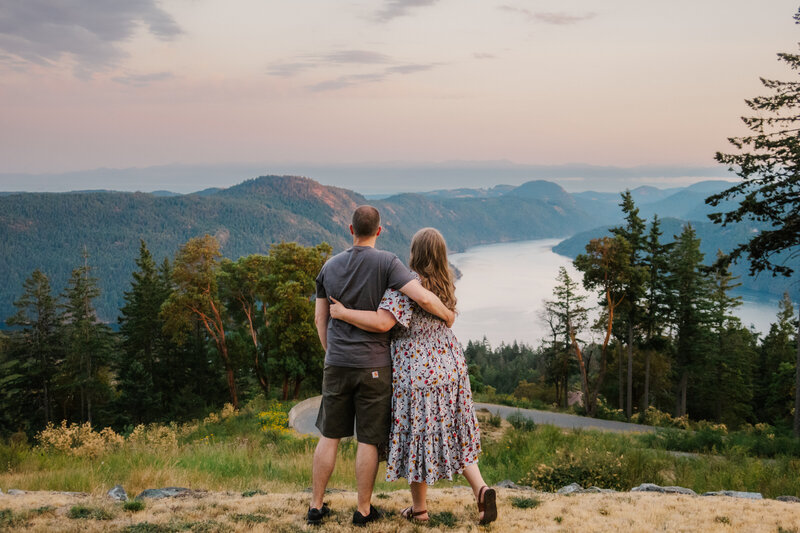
[434, 428]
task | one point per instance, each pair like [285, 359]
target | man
[357, 380]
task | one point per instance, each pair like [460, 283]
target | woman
[434, 431]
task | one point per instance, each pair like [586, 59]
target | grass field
[251, 452]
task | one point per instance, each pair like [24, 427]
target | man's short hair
[366, 220]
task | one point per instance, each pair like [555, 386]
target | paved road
[303, 416]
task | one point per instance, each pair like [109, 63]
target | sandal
[487, 504]
[411, 515]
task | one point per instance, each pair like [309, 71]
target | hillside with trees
[49, 232]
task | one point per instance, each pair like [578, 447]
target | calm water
[503, 286]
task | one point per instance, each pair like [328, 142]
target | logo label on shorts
[375, 374]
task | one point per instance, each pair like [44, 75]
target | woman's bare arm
[374, 321]
[428, 301]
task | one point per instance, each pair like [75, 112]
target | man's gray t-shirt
[358, 277]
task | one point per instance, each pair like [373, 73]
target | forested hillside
[713, 238]
[49, 231]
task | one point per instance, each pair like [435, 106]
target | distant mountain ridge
[49, 230]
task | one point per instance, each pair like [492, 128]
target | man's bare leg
[366, 470]
[322, 468]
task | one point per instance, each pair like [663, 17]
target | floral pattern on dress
[434, 431]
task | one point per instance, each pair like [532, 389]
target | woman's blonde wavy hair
[429, 259]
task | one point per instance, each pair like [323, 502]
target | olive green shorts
[360, 395]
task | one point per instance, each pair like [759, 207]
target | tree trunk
[620, 381]
[797, 385]
[682, 386]
[47, 417]
[285, 394]
[646, 403]
[297, 383]
[629, 404]
[229, 372]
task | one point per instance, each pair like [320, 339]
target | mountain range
[50, 230]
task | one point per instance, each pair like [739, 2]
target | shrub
[654, 417]
[12, 454]
[587, 468]
[274, 420]
[83, 512]
[521, 423]
[79, 440]
[495, 419]
[133, 506]
[154, 437]
[524, 503]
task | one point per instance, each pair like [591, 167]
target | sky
[320, 88]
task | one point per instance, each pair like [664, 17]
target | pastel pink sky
[615, 82]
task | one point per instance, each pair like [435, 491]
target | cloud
[561, 19]
[483, 55]
[140, 80]
[286, 70]
[546, 17]
[410, 69]
[349, 80]
[399, 8]
[339, 57]
[362, 57]
[44, 31]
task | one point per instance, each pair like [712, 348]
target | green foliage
[133, 506]
[89, 512]
[586, 469]
[766, 161]
[444, 519]
[253, 492]
[250, 518]
[495, 419]
[521, 423]
[519, 502]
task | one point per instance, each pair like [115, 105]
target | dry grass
[230, 512]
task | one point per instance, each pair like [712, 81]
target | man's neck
[365, 241]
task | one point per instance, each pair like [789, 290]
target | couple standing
[408, 390]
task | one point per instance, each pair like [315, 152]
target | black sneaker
[315, 516]
[361, 520]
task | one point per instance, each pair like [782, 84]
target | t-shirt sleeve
[321, 292]
[398, 275]
[398, 304]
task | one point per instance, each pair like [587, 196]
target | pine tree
[655, 310]
[141, 334]
[768, 161]
[688, 300]
[633, 232]
[89, 344]
[726, 385]
[773, 400]
[38, 342]
[570, 317]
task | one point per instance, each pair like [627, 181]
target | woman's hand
[336, 308]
